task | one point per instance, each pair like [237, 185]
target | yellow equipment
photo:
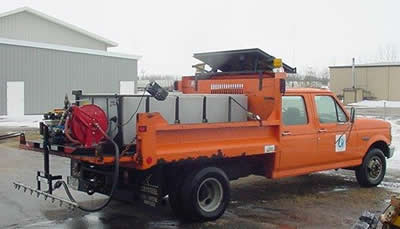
[391, 216]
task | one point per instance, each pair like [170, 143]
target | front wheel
[205, 194]
[372, 171]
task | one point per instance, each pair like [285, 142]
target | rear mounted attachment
[71, 205]
[46, 176]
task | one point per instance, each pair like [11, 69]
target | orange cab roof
[307, 90]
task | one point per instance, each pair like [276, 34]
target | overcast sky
[316, 33]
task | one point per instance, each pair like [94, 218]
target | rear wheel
[205, 194]
[373, 169]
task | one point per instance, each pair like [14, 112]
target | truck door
[333, 127]
[299, 135]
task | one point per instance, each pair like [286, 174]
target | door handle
[286, 133]
[322, 130]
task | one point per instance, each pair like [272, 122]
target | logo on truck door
[340, 143]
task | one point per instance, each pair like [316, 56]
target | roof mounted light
[277, 62]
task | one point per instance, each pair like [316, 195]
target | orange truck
[288, 132]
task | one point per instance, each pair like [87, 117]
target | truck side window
[293, 110]
[328, 110]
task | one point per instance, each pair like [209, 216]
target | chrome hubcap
[375, 167]
[210, 194]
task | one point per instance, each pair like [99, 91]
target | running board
[71, 205]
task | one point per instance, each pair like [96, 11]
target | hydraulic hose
[115, 178]
[66, 132]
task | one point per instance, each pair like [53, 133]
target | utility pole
[353, 72]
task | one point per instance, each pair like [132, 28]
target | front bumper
[391, 151]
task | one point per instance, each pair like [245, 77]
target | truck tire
[205, 194]
[372, 171]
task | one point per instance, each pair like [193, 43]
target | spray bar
[19, 186]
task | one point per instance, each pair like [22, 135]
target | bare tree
[310, 78]
[142, 73]
[324, 76]
[388, 53]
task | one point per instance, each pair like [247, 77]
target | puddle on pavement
[256, 208]
[164, 224]
[337, 189]
[391, 186]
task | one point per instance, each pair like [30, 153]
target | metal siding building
[380, 80]
[49, 71]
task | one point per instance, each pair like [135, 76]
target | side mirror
[352, 114]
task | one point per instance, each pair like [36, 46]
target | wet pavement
[329, 199]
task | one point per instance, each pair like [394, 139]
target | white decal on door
[340, 143]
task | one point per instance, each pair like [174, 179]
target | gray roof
[66, 48]
[380, 64]
[62, 23]
[240, 60]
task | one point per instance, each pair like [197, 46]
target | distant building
[376, 81]
[167, 84]
[43, 58]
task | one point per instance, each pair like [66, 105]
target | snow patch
[376, 103]
[394, 162]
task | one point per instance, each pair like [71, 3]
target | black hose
[115, 179]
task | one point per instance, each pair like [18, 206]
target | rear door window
[294, 111]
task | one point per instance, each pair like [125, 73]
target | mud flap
[151, 188]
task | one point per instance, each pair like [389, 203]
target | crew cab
[318, 133]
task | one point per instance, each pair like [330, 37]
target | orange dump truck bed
[160, 142]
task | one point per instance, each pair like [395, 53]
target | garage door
[15, 98]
